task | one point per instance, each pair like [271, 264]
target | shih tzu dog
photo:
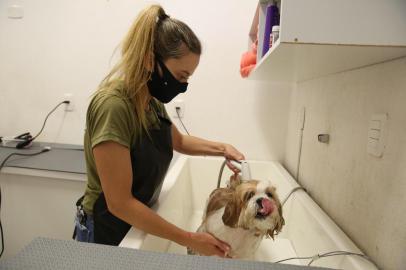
[242, 215]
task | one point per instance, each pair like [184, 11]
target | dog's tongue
[267, 207]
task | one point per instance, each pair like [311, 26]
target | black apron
[150, 158]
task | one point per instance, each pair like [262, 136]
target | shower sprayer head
[244, 167]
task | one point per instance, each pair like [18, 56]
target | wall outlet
[71, 106]
[178, 108]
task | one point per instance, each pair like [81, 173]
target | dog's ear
[218, 199]
[234, 181]
[232, 211]
[279, 223]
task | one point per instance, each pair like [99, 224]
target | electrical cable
[21, 154]
[46, 149]
[177, 112]
[46, 118]
[27, 139]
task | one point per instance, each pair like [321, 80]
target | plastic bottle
[275, 33]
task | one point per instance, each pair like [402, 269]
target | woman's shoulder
[109, 102]
[109, 118]
[110, 97]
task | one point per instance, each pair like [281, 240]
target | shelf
[319, 38]
[287, 62]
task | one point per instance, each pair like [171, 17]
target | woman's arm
[113, 164]
[190, 145]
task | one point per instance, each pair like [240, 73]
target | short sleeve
[109, 120]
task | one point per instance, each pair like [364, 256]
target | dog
[242, 215]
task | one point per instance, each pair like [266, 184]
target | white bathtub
[308, 230]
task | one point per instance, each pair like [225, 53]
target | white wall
[66, 46]
[365, 195]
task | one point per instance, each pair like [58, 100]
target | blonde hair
[153, 34]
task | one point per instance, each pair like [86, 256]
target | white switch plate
[71, 106]
[15, 12]
[178, 104]
[377, 134]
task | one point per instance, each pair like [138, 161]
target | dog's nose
[259, 202]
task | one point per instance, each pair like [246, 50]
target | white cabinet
[322, 37]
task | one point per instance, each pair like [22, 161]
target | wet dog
[242, 215]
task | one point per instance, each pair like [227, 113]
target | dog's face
[253, 205]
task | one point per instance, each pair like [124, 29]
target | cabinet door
[354, 22]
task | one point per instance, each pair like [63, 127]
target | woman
[129, 139]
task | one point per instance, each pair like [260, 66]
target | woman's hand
[206, 244]
[231, 153]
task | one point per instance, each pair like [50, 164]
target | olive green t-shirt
[111, 117]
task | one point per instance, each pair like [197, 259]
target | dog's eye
[269, 194]
[249, 195]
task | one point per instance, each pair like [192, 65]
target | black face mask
[167, 87]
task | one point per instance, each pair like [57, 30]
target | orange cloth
[248, 60]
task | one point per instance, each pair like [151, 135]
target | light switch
[376, 134]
